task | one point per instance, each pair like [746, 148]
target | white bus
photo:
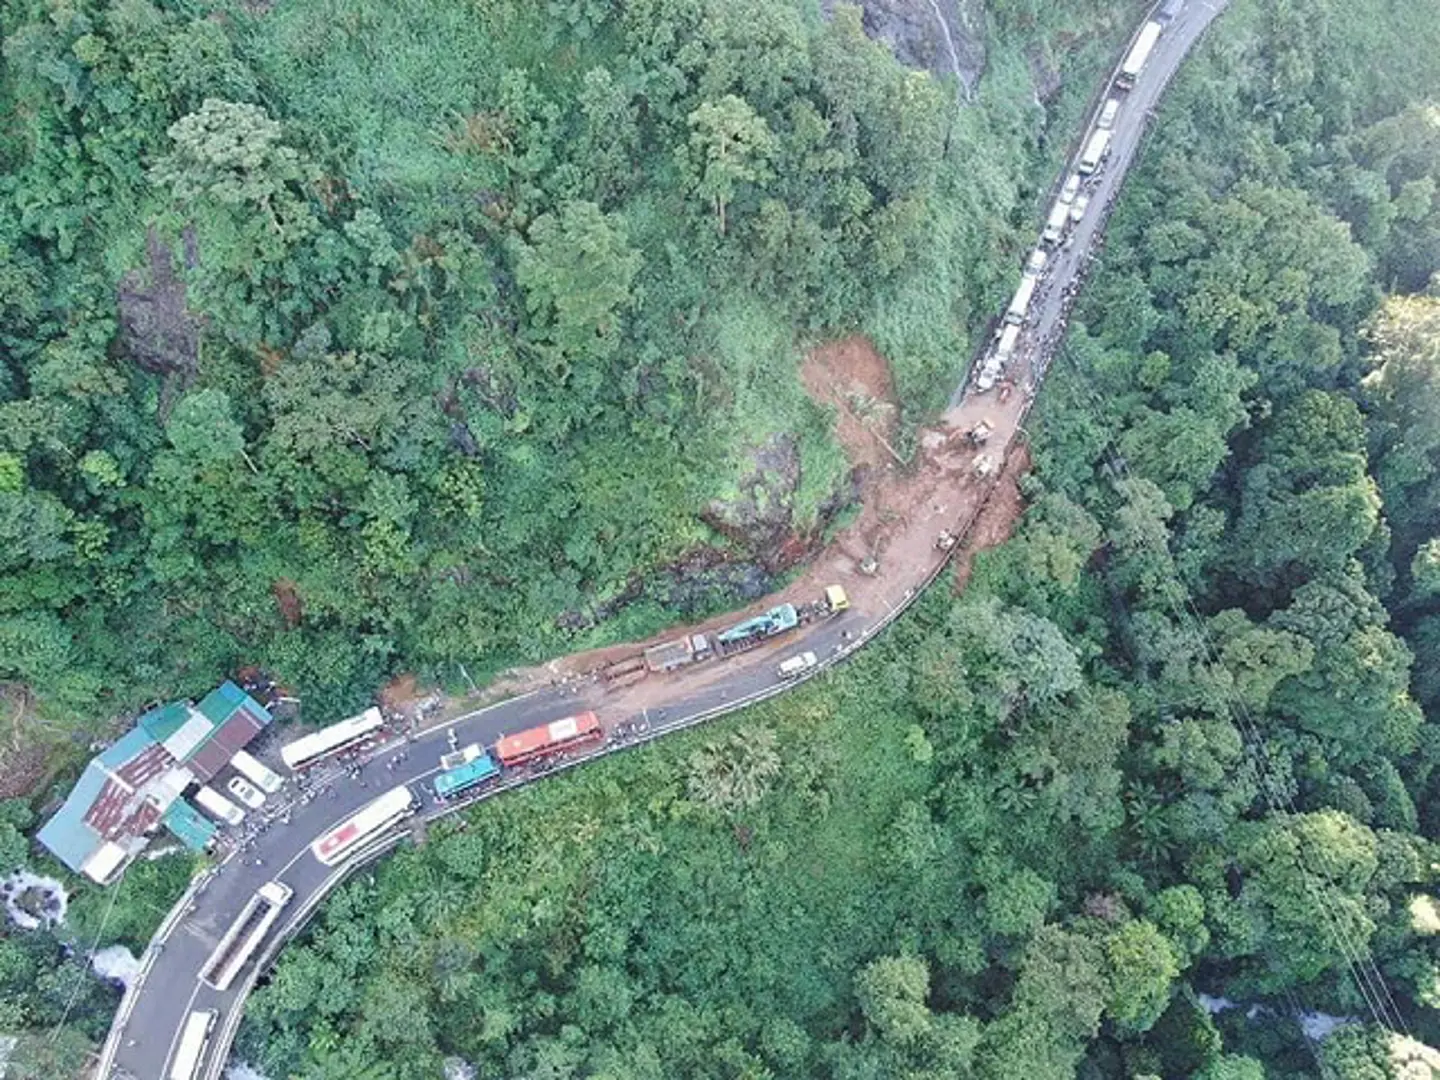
[1015, 314]
[258, 774]
[1138, 55]
[194, 1039]
[370, 820]
[1095, 151]
[245, 935]
[331, 740]
[219, 806]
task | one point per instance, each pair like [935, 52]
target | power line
[1365, 973]
[94, 945]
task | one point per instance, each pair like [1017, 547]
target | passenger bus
[548, 738]
[244, 936]
[369, 821]
[194, 1040]
[331, 740]
[463, 777]
[262, 777]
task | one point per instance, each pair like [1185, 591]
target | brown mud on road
[904, 508]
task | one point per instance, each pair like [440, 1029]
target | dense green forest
[355, 338]
[350, 339]
[1171, 744]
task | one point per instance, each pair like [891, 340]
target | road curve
[150, 1017]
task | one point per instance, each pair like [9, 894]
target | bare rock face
[943, 37]
[157, 330]
[759, 519]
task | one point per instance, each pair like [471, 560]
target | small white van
[796, 665]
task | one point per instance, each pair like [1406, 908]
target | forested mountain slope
[1171, 746]
[347, 338]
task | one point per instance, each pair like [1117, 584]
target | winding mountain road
[148, 1024]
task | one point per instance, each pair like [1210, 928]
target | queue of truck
[1072, 203]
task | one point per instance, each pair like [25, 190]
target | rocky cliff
[944, 37]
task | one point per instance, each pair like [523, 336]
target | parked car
[1077, 210]
[1071, 188]
[1108, 114]
[797, 665]
[1035, 264]
[246, 792]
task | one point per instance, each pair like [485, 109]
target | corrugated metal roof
[226, 699]
[193, 829]
[124, 748]
[125, 790]
[196, 729]
[66, 835]
[108, 858]
[164, 721]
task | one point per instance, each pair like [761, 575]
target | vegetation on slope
[1173, 741]
[348, 338]
[353, 338]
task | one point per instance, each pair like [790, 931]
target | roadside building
[136, 785]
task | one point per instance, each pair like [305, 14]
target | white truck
[1095, 151]
[1055, 223]
[1020, 304]
[1139, 53]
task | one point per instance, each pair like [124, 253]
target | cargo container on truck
[1138, 55]
[1095, 151]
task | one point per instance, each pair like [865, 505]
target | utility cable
[1365, 973]
[89, 957]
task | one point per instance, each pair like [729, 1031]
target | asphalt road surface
[148, 1030]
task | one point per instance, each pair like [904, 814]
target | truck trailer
[1138, 55]
[1020, 304]
[752, 631]
[677, 653]
[1095, 151]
